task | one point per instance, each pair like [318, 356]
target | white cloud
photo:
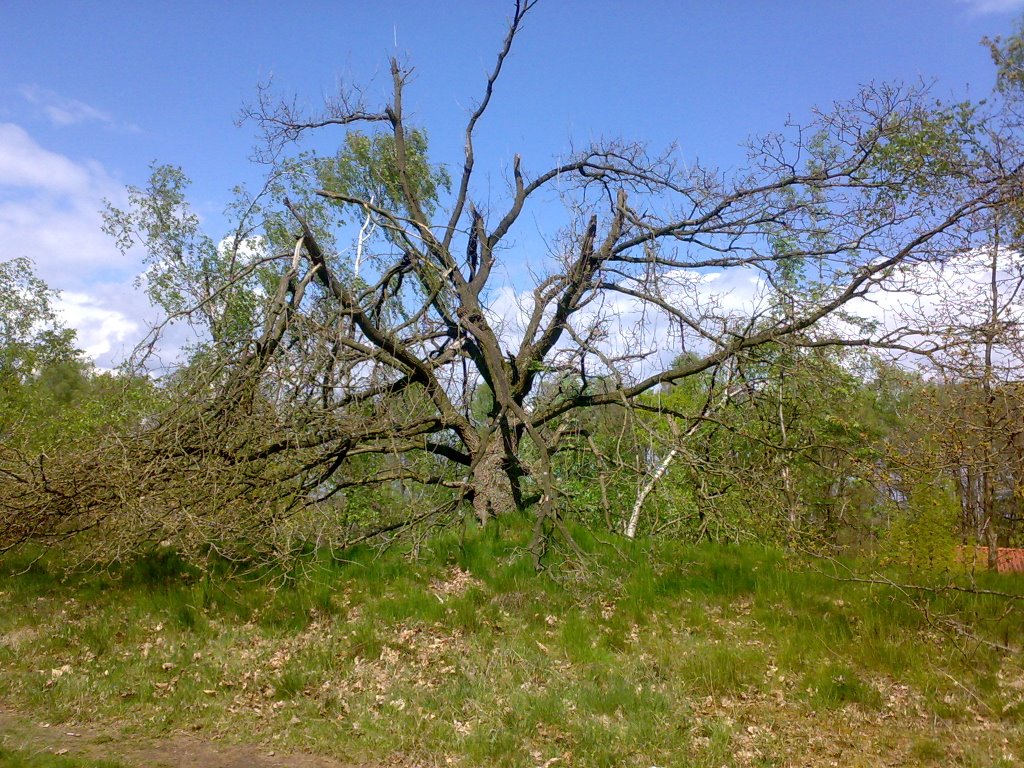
[62, 111]
[50, 212]
[27, 166]
[949, 303]
[640, 336]
[102, 332]
[921, 306]
[984, 7]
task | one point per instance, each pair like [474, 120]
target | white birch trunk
[634, 517]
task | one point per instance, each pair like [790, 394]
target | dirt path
[178, 750]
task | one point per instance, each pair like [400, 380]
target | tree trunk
[991, 534]
[634, 517]
[988, 490]
[492, 486]
[792, 512]
[970, 526]
[792, 509]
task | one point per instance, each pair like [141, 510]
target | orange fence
[1011, 559]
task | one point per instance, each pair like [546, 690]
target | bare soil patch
[178, 750]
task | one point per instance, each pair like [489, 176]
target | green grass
[653, 654]
[24, 758]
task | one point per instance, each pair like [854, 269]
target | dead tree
[389, 363]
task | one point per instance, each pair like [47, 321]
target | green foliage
[366, 167]
[69, 404]
[927, 147]
[49, 395]
[31, 338]
[56, 410]
[188, 274]
[798, 435]
[1008, 56]
[922, 536]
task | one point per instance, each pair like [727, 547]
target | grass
[24, 758]
[646, 654]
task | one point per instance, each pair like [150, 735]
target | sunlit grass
[638, 654]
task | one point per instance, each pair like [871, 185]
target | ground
[462, 656]
[29, 739]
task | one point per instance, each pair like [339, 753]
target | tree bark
[989, 458]
[492, 487]
[634, 517]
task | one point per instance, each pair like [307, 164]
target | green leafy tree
[37, 354]
[31, 337]
[922, 535]
[55, 410]
[188, 275]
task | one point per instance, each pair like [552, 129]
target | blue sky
[92, 92]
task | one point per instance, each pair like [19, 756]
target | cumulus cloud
[50, 212]
[103, 333]
[26, 166]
